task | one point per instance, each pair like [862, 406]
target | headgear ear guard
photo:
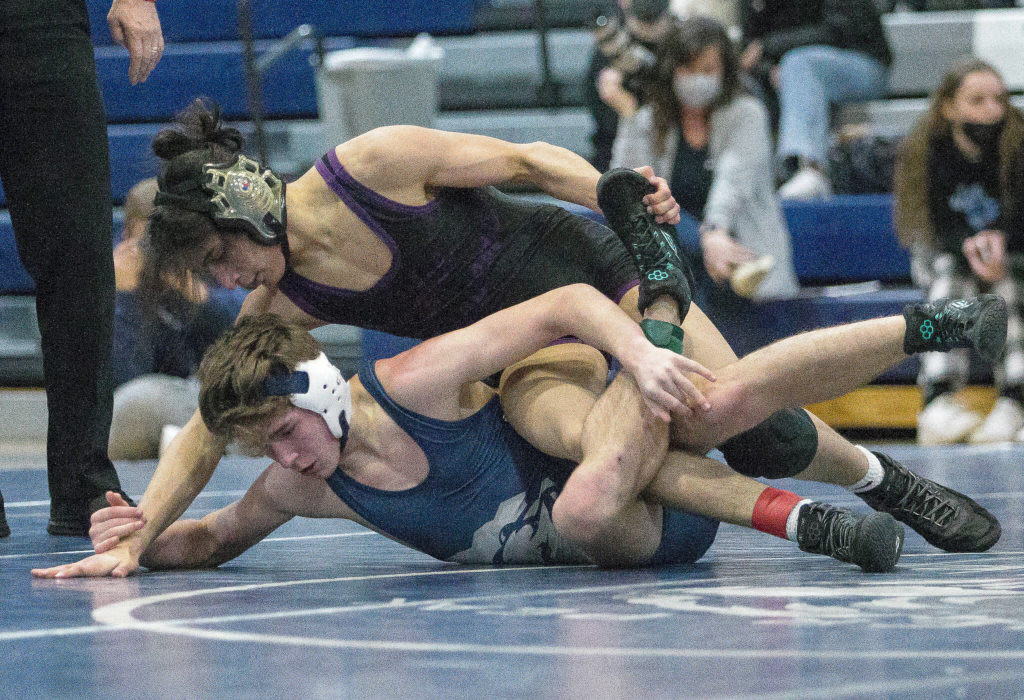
[316, 385]
[237, 194]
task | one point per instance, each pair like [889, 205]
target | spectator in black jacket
[625, 42]
[813, 53]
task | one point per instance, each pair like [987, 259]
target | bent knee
[589, 504]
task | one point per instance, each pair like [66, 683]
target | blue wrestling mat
[327, 609]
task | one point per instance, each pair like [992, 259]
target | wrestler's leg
[549, 397]
[816, 366]
[633, 535]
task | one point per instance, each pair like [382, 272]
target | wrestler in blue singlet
[464, 255]
[488, 494]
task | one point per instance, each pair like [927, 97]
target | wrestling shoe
[74, 521]
[941, 325]
[653, 246]
[945, 518]
[872, 541]
[4, 530]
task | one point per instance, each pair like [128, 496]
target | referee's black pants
[55, 168]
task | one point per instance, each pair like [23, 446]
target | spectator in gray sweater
[712, 143]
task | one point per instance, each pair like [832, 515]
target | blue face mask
[697, 90]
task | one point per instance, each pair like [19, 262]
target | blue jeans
[811, 79]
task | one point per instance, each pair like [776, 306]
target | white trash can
[361, 89]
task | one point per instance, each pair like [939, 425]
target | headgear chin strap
[237, 194]
[316, 385]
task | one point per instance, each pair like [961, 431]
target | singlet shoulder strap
[348, 188]
[418, 426]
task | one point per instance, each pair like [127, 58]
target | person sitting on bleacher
[624, 51]
[959, 208]
[156, 355]
[713, 139]
[813, 53]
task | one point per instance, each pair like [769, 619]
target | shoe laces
[952, 324]
[644, 234]
[922, 498]
[835, 530]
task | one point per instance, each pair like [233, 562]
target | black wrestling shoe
[945, 518]
[74, 521]
[4, 530]
[873, 541]
[944, 324]
[653, 246]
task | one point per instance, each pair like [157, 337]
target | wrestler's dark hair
[684, 43]
[176, 236]
[232, 398]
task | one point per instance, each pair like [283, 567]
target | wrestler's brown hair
[232, 399]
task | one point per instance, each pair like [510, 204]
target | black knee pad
[781, 446]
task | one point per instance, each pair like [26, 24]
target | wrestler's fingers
[105, 545]
[117, 532]
[670, 217]
[116, 499]
[115, 513]
[688, 365]
[647, 171]
[663, 403]
[686, 388]
[100, 531]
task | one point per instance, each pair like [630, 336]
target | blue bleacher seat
[217, 20]
[846, 238]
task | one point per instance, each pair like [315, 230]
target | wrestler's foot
[620, 194]
[944, 324]
[945, 518]
[873, 541]
[4, 530]
[73, 520]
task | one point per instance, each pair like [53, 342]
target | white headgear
[316, 385]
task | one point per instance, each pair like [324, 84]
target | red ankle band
[772, 509]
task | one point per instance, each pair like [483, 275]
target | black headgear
[237, 194]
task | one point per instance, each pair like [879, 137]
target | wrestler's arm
[413, 157]
[187, 465]
[274, 498]
[440, 366]
[162, 543]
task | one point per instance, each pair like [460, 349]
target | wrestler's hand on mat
[96, 565]
[110, 525]
[661, 203]
[660, 375]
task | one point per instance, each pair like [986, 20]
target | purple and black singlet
[464, 255]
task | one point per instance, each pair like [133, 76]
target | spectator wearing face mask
[959, 207]
[711, 141]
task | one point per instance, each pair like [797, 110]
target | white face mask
[697, 89]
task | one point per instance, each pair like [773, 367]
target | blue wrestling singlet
[462, 256]
[488, 494]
